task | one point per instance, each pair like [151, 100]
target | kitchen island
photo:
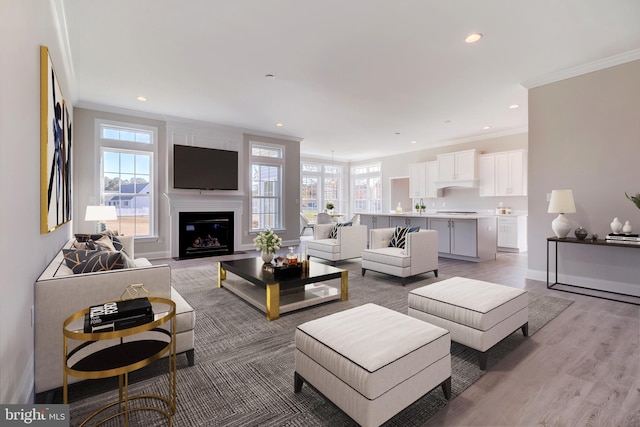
[468, 236]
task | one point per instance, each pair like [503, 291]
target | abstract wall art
[55, 149]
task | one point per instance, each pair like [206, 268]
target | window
[321, 183]
[267, 164]
[366, 188]
[127, 176]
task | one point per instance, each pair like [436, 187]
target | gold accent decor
[134, 291]
[344, 286]
[222, 274]
[73, 333]
[273, 301]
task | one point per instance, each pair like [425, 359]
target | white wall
[24, 251]
[584, 135]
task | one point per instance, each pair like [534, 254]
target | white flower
[267, 241]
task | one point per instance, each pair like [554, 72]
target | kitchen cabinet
[418, 180]
[408, 221]
[374, 221]
[511, 173]
[487, 175]
[512, 233]
[458, 166]
[466, 239]
[503, 173]
[422, 180]
[431, 173]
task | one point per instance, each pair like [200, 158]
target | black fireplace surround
[203, 234]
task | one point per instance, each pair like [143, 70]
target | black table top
[252, 269]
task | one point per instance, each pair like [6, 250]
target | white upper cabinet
[458, 166]
[487, 175]
[417, 180]
[422, 180]
[503, 174]
[432, 177]
[511, 173]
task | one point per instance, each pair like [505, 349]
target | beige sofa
[59, 293]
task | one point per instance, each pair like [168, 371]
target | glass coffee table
[255, 283]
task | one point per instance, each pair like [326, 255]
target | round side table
[116, 353]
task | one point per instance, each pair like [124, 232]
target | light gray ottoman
[372, 362]
[478, 314]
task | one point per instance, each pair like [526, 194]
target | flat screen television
[204, 168]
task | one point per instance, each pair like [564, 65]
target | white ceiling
[349, 74]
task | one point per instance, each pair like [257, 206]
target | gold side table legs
[273, 301]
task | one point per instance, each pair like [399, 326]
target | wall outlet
[444, 204]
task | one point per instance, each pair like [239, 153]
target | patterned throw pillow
[108, 234]
[333, 234]
[399, 237]
[84, 261]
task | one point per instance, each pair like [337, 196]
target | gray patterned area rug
[243, 375]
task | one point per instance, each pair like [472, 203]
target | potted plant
[329, 205]
[267, 242]
[417, 207]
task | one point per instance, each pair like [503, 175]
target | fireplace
[203, 234]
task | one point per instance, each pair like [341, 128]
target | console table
[581, 290]
[116, 353]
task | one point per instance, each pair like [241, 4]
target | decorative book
[118, 314]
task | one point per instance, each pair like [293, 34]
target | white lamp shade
[561, 202]
[100, 213]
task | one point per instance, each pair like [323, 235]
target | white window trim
[367, 175]
[103, 143]
[274, 161]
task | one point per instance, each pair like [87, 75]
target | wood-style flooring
[581, 369]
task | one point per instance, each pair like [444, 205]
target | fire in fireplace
[203, 234]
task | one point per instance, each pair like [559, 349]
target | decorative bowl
[581, 233]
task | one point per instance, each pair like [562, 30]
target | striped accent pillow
[399, 237]
[333, 234]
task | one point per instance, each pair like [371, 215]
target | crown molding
[600, 64]
[60, 21]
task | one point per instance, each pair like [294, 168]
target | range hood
[463, 183]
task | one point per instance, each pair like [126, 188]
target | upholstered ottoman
[478, 314]
[371, 361]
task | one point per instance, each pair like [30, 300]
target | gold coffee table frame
[164, 316]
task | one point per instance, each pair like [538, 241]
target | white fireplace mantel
[204, 203]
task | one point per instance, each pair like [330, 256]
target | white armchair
[420, 254]
[349, 242]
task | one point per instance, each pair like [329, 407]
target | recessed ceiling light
[269, 76]
[142, 98]
[447, 121]
[486, 127]
[280, 125]
[396, 133]
[513, 106]
[472, 38]
[413, 142]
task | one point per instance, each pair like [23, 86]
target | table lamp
[561, 203]
[100, 214]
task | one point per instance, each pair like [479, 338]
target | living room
[582, 134]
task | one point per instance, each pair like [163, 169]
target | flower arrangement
[267, 241]
[635, 199]
[329, 205]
